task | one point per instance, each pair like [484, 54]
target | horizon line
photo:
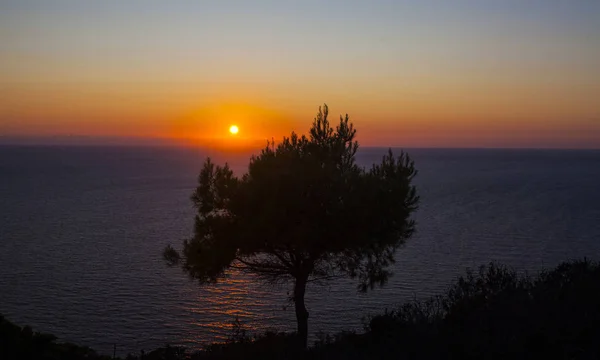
[141, 142]
[249, 149]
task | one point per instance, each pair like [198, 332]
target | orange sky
[480, 76]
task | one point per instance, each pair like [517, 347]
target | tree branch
[270, 268]
[327, 277]
[281, 258]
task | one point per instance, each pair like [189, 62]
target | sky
[409, 73]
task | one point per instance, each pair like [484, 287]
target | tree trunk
[301, 313]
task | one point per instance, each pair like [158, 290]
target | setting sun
[234, 129]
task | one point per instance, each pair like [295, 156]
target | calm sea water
[82, 230]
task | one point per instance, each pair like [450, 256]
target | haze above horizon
[412, 74]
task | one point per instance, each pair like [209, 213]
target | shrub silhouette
[304, 212]
[496, 314]
[492, 313]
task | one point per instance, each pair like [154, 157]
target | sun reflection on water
[239, 297]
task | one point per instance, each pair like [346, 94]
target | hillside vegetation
[492, 313]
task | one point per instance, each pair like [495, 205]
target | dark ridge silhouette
[304, 212]
[18, 343]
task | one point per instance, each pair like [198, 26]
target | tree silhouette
[304, 212]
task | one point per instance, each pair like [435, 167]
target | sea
[82, 231]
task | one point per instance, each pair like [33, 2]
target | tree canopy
[304, 212]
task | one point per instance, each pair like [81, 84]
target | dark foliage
[304, 212]
[489, 314]
[492, 314]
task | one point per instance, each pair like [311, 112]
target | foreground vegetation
[492, 313]
[22, 343]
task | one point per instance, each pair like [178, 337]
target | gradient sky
[410, 73]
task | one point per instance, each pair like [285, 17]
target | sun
[233, 129]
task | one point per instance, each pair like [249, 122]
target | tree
[304, 212]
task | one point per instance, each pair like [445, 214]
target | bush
[492, 313]
[496, 314]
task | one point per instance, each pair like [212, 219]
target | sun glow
[233, 129]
